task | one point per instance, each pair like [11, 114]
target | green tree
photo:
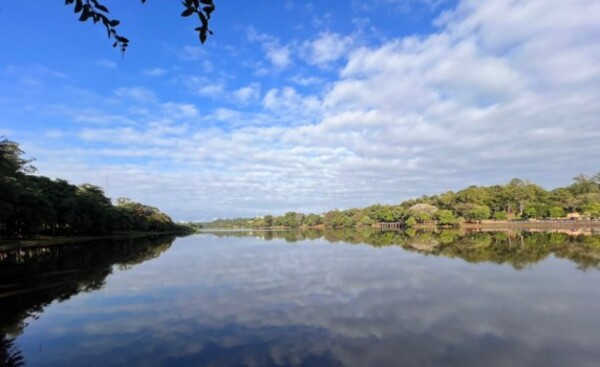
[473, 195]
[479, 212]
[445, 217]
[399, 212]
[422, 212]
[530, 212]
[11, 160]
[518, 193]
[312, 220]
[32, 204]
[562, 197]
[290, 219]
[385, 214]
[593, 210]
[500, 215]
[365, 221]
[583, 184]
[556, 212]
[446, 200]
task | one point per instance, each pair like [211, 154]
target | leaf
[85, 14]
[78, 6]
[99, 6]
[102, 8]
[114, 23]
[187, 12]
[203, 20]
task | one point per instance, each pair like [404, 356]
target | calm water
[300, 299]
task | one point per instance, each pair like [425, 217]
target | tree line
[32, 204]
[516, 200]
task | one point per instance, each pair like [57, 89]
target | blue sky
[304, 106]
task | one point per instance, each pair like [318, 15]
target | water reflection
[32, 278]
[517, 248]
[10, 355]
[224, 299]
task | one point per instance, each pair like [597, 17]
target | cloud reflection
[243, 301]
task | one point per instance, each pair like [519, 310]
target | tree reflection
[517, 248]
[32, 278]
[10, 355]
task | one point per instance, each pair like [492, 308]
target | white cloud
[248, 93]
[278, 55]
[180, 110]
[108, 64]
[504, 88]
[138, 94]
[155, 72]
[326, 48]
[212, 90]
[289, 102]
[403, 6]
[191, 53]
[54, 134]
[306, 80]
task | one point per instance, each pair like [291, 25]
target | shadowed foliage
[94, 11]
[31, 204]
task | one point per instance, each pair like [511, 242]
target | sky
[304, 106]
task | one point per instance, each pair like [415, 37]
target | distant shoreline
[561, 224]
[483, 225]
[7, 244]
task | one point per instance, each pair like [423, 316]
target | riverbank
[488, 225]
[571, 228]
[535, 224]
[42, 241]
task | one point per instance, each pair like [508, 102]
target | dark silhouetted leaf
[187, 12]
[78, 6]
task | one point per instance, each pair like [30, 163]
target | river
[339, 298]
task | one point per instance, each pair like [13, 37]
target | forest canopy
[32, 204]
